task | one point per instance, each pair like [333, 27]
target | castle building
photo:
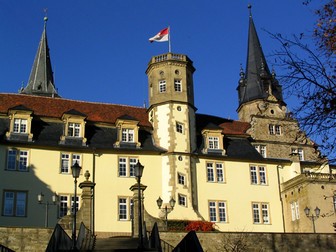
[256, 174]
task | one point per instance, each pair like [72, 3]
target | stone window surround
[69, 119]
[213, 133]
[22, 115]
[127, 124]
[218, 208]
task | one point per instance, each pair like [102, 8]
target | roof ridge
[72, 100]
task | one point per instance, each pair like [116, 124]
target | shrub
[205, 226]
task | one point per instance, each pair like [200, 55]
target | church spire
[41, 80]
[258, 82]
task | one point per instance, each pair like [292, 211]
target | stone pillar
[85, 213]
[135, 221]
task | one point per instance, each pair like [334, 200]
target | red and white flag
[162, 36]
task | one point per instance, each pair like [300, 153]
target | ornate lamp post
[138, 174]
[167, 210]
[54, 199]
[313, 217]
[75, 169]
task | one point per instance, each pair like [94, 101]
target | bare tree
[309, 74]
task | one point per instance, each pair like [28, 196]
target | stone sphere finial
[87, 175]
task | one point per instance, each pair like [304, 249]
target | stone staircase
[117, 244]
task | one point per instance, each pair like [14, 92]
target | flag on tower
[162, 36]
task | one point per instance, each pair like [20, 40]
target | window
[181, 178]
[215, 176]
[178, 85]
[17, 160]
[258, 175]
[74, 129]
[210, 172]
[162, 86]
[260, 213]
[179, 127]
[20, 126]
[219, 172]
[274, 129]
[122, 209]
[74, 202]
[67, 160]
[125, 208]
[295, 210]
[127, 166]
[182, 200]
[261, 149]
[127, 135]
[213, 142]
[15, 203]
[63, 205]
[217, 211]
[299, 152]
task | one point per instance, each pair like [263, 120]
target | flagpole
[169, 45]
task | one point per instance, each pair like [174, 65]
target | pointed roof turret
[257, 82]
[41, 80]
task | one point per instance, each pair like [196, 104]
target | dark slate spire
[257, 82]
[41, 80]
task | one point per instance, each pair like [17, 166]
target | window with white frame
[127, 135]
[274, 129]
[63, 205]
[215, 172]
[125, 208]
[258, 175]
[15, 203]
[68, 160]
[261, 149]
[74, 129]
[213, 142]
[295, 210]
[217, 211]
[299, 152]
[162, 86]
[17, 160]
[181, 178]
[182, 200]
[20, 125]
[179, 127]
[178, 85]
[74, 203]
[260, 212]
[126, 166]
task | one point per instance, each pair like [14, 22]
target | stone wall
[216, 241]
[36, 239]
[25, 239]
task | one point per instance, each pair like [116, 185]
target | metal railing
[5, 249]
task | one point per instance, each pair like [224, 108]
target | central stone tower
[172, 114]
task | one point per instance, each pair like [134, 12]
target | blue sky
[100, 50]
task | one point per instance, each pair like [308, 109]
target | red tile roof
[99, 112]
[235, 128]
[55, 107]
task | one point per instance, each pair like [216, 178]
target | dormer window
[20, 124]
[74, 128]
[213, 140]
[128, 131]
